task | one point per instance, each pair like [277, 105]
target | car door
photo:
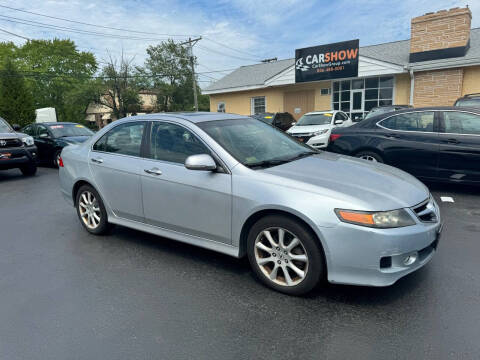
[45, 143]
[410, 141]
[115, 162]
[459, 153]
[192, 202]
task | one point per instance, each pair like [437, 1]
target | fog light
[409, 259]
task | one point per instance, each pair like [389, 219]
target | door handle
[97, 160]
[452, 141]
[153, 171]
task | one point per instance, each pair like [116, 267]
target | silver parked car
[241, 187]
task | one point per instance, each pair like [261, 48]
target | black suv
[469, 100]
[17, 150]
[283, 121]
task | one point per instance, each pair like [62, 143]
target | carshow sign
[332, 61]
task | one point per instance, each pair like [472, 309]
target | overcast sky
[235, 32]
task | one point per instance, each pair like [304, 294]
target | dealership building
[437, 65]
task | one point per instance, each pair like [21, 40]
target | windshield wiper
[275, 162]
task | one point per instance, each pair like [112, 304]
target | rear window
[416, 121]
[474, 102]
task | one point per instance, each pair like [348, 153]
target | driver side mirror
[16, 127]
[338, 122]
[43, 135]
[203, 162]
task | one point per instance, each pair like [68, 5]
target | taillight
[60, 162]
[334, 137]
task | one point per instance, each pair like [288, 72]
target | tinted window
[461, 123]
[42, 130]
[174, 143]
[28, 130]
[468, 102]
[417, 121]
[343, 116]
[124, 139]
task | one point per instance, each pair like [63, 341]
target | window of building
[377, 91]
[258, 105]
[416, 121]
[221, 107]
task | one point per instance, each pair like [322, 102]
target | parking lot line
[447, 199]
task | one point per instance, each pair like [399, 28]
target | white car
[314, 128]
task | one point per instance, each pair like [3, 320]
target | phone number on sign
[332, 68]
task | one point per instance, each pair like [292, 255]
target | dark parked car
[51, 138]
[17, 150]
[441, 143]
[282, 121]
[385, 109]
[468, 100]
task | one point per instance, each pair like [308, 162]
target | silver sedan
[236, 185]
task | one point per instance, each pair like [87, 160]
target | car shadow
[453, 188]
[354, 295]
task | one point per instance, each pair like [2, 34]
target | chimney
[440, 35]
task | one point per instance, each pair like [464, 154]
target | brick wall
[438, 87]
[441, 30]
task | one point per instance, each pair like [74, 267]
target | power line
[94, 25]
[20, 36]
[78, 31]
[204, 48]
[229, 47]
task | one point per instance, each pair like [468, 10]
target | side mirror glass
[200, 162]
[338, 122]
[16, 127]
[43, 135]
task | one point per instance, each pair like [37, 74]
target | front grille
[304, 137]
[425, 211]
[8, 143]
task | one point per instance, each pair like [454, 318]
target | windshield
[254, 143]
[64, 130]
[4, 127]
[315, 119]
[468, 102]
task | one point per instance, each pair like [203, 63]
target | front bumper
[319, 142]
[360, 255]
[11, 158]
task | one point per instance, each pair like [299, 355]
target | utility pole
[191, 42]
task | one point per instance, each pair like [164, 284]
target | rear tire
[291, 261]
[29, 170]
[369, 156]
[91, 211]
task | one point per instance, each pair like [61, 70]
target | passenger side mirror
[338, 122]
[200, 162]
[16, 127]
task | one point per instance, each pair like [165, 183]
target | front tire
[285, 255]
[91, 211]
[56, 158]
[29, 170]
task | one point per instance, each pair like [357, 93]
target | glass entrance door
[357, 105]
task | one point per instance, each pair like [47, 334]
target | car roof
[321, 112]
[194, 117]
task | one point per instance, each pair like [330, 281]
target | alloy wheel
[368, 158]
[281, 256]
[89, 210]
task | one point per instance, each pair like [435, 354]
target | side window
[125, 139]
[417, 121]
[173, 143]
[461, 123]
[28, 130]
[343, 116]
[42, 131]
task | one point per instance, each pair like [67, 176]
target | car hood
[11, 135]
[357, 184]
[75, 139]
[308, 129]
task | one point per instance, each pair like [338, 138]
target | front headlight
[320, 132]
[28, 140]
[381, 219]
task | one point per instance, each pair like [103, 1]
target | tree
[120, 87]
[169, 65]
[16, 101]
[58, 75]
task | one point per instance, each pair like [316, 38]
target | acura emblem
[3, 143]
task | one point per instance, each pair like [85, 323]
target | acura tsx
[239, 186]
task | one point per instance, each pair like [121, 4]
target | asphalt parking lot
[66, 294]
